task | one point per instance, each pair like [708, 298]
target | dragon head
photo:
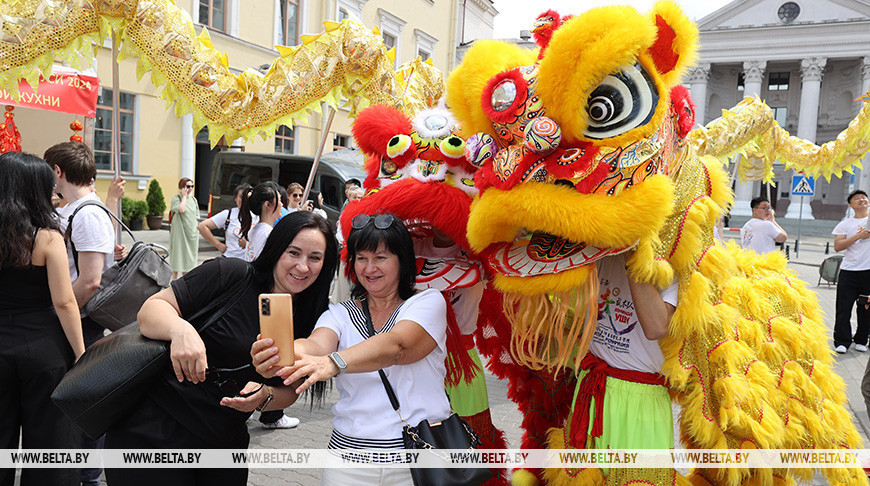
[574, 149]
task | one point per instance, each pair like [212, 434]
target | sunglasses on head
[382, 221]
[228, 386]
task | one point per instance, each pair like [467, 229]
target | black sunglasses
[382, 221]
[228, 386]
[189, 186]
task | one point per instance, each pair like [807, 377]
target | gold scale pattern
[347, 61]
[750, 129]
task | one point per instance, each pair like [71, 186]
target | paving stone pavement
[315, 423]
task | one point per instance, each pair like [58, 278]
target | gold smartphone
[276, 322]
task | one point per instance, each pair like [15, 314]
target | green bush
[155, 200]
[133, 210]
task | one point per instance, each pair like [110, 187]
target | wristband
[269, 397]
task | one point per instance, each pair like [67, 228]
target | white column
[863, 178]
[808, 121]
[698, 77]
[188, 147]
[753, 72]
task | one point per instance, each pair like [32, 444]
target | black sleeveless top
[24, 289]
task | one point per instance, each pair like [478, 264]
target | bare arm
[160, 318]
[407, 342]
[653, 313]
[205, 228]
[90, 269]
[321, 342]
[841, 242]
[51, 248]
[782, 236]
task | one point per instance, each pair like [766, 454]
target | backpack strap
[68, 234]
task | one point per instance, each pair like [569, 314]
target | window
[349, 8]
[788, 12]
[391, 30]
[741, 81]
[780, 114]
[342, 14]
[289, 22]
[425, 44]
[340, 142]
[213, 13]
[389, 40]
[284, 139]
[103, 130]
[777, 82]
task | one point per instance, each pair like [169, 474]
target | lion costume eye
[623, 101]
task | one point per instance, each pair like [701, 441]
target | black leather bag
[126, 285]
[113, 375]
[451, 433]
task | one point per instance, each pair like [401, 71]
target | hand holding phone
[276, 322]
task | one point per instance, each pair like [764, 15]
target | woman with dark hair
[264, 202]
[409, 345]
[230, 221]
[211, 390]
[183, 236]
[40, 326]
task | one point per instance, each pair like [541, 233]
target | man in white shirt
[851, 238]
[761, 233]
[92, 236]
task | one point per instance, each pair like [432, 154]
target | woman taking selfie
[211, 390]
[40, 326]
[183, 236]
[409, 345]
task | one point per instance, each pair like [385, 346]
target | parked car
[233, 168]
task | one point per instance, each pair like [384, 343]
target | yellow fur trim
[604, 221]
[686, 39]
[568, 477]
[466, 83]
[521, 477]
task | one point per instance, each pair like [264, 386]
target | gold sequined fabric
[346, 61]
[749, 129]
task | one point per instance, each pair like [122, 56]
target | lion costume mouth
[539, 253]
[539, 237]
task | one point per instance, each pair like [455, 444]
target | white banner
[493, 458]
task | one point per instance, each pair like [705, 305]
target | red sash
[593, 385]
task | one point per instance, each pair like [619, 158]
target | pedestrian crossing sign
[802, 185]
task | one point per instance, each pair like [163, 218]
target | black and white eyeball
[623, 101]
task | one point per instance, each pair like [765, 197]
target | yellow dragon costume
[585, 135]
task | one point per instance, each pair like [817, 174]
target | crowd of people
[56, 250]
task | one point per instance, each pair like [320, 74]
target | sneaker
[284, 422]
[840, 349]
[861, 347]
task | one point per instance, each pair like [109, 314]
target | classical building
[157, 145]
[809, 61]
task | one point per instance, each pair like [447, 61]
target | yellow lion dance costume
[585, 136]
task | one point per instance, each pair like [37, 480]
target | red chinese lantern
[76, 126]
[10, 139]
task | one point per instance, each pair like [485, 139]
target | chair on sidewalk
[829, 270]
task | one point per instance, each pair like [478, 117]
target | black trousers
[850, 284]
[34, 356]
[149, 427]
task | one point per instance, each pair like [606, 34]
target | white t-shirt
[233, 230]
[257, 240]
[464, 290]
[619, 339]
[92, 231]
[857, 256]
[758, 234]
[363, 410]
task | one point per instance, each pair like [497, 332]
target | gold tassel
[549, 330]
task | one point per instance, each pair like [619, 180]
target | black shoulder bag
[451, 433]
[116, 372]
